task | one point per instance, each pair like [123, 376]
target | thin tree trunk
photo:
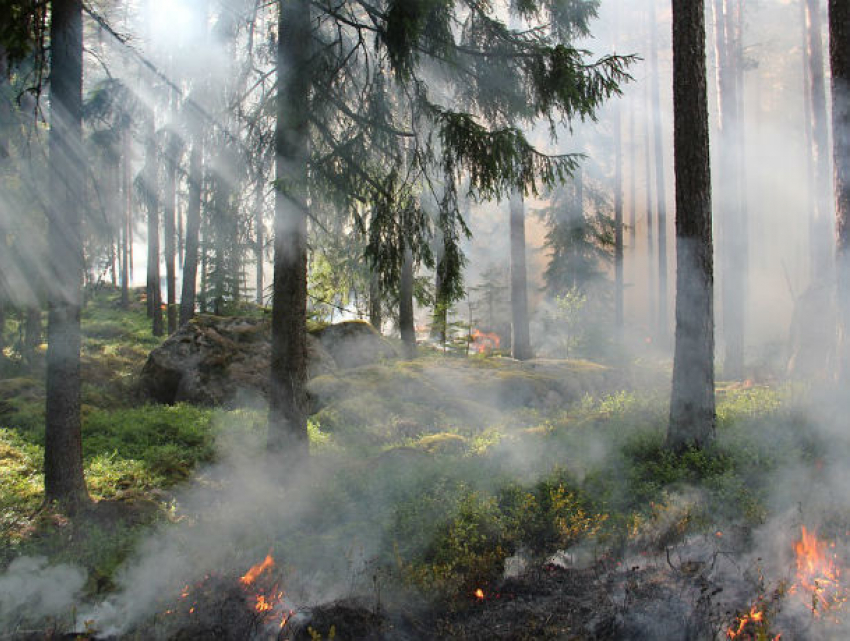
[287, 391]
[660, 191]
[809, 143]
[727, 202]
[839, 57]
[63, 455]
[126, 236]
[405, 305]
[692, 415]
[152, 205]
[375, 315]
[618, 218]
[193, 226]
[821, 247]
[520, 339]
[259, 238]
[170, 189]
[650, 233]
[632, 182]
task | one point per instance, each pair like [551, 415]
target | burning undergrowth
[621, 541]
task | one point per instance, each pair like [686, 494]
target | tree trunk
[170, 189]
[660, 190]
[727, 201]
[839, 58]
[618, 218]
[650, 233]
[287, 392]
[692, 416]
[127, 224]
[375, 316]
[63, 455]
[193, 227]
[821, 246]
[405, 306]
[259, 238]
[632, 183]
[520, 339]
[439, 318]
[152, 205]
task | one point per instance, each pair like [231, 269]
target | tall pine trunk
[520, 337]
[839, 58]
[152, 205]
[618, 218]
[692, 414]
[193, 228]
[660, 190]
[63, 455]
[821, 247]
[287, 392]
[169, 231]
[650, 229]
[727, 200]
[405, 305]
[127, 223]
[259, 238]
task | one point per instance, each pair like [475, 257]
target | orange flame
[484, 342]
[252, 574]
[752, 618]
[817, 574]
[479, 594]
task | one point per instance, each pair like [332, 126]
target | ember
[750, 625]
[479, 594]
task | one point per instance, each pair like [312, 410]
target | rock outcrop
[213, 360]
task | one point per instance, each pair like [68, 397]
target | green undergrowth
[433, 475]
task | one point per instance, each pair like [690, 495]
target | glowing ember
[746, 624]
[252, 574]
[817, 574]
[484, 343]
[479, 594]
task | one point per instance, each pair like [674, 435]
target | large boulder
[213, 360]
[354, 343]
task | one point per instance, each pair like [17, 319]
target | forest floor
[449, 497]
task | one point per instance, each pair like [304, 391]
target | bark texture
[63, 456]
[839, 58]
[692, 415]
[287, 437]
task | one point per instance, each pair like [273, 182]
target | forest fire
[254, 603]
[750, 625]
[818, 576]
[483, 342]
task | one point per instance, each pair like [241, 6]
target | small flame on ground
[479, 594]
[484, 342]
[255, 571]
[817, 573]
[750, 626]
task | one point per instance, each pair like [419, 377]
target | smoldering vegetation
[461, 494]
